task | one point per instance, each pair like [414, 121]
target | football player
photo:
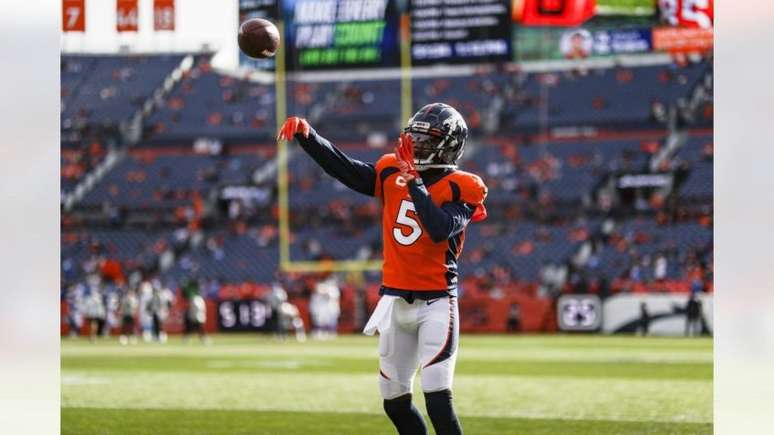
[427, 203]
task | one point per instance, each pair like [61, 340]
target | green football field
[249, 384]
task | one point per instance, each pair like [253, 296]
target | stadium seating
[229, 258]
[148, 181]
[134, 248]
[699, 182]
[618, 96]
[238, 109]
[697, 154]
[310, 186]
[635, 244]
[561, 171]
[110, 88]
[523, 247]
[209, 104]
[99, 92]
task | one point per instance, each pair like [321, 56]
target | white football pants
[422, 334]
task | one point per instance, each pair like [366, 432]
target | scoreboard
[322, 34]
[460, 31]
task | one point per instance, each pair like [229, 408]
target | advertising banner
[579, 43]
[462, 31]
[579, 312]
[244, 315]
[657, 314]
[683, 40]
[73, 15]
[126, 16]
[335, 34]
[164, 15]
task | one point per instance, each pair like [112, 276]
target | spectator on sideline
[95, 312]
[324, 307]
[128, 308]
[159, 306]
[74, 296]
[145, 317]
[644, 323]
[196, 311]
[693, 324]
[277, 297]
[514, 318]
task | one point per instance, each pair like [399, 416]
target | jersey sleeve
[385, 166]
[473, 191]
[357, 175]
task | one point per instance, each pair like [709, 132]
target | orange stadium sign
[163, 15]
[73, 15]
[126, 16]
[682, 39]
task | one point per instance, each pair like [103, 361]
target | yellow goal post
[286, 263]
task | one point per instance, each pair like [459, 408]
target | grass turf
[504, 384]
[78, 421]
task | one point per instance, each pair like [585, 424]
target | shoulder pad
[472, 188]
[385, 161]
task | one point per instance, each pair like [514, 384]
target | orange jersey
[412, 261]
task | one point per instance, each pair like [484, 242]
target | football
[259, 38]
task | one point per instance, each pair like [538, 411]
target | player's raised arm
[358, 176]
[442, 222]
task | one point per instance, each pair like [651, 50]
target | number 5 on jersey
[408, 221]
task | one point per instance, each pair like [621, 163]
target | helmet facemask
[438, 133]
[427, 149]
